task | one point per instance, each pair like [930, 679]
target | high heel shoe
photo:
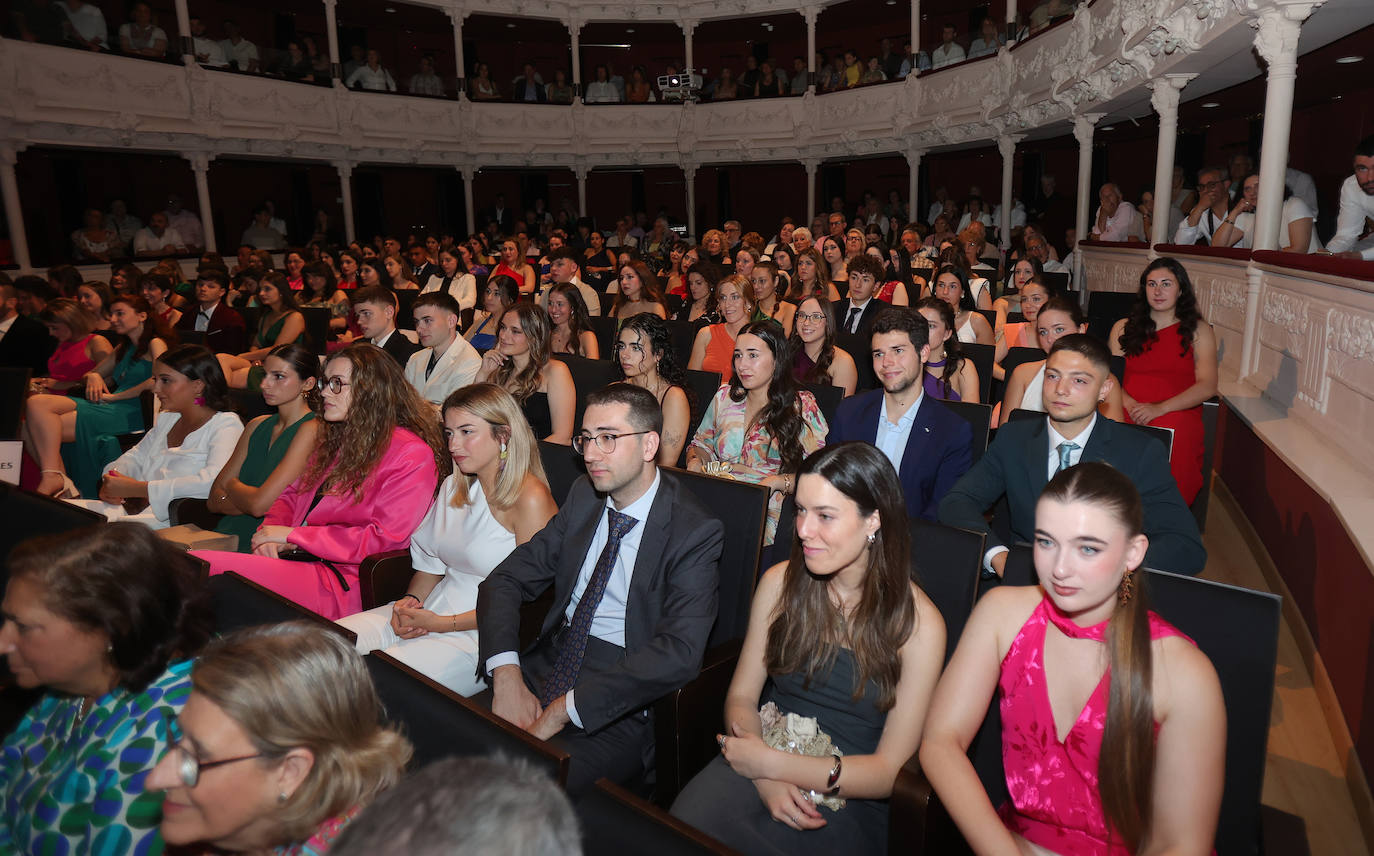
[68, 489]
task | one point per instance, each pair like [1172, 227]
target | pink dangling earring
[200, 401]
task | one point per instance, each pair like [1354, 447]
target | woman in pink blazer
[369, 483]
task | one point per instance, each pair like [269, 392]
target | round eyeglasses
[605, 441]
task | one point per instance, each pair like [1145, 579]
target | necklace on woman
[79, 717]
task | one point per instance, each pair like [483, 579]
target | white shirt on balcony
[601, 92]
[211, 50]
[1121, 226]
[426, 84]
[1303, 187]
[1356, 206]
[372, 79]
[146, 242]
[981, 48]
[244, 53]
[946, 55]
[1293, 209]
[88, 22]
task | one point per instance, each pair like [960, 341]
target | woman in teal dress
[281, 323]
[105, 620]
[73, 439]
[274, 449]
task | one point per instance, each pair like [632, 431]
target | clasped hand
[411, 622]
[270, 540]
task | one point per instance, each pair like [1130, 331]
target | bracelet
[455, 622]
[417, 600]
[832, 782]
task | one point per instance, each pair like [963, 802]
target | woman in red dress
[1171, 365]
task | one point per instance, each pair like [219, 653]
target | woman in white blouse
[496, 498]
[1296, 233]
[455, 279]
[187, 446]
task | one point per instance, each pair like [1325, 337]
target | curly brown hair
[382, 401]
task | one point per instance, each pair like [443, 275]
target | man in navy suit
[1027, 453]
[929, 446]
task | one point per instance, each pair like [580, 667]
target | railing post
[345, 169]
[1083, 125]
[1006, 146]
[812, 164]
[913, 163]
[200, 166]
[580, 171]
[456, 15]
[575, 30]
[1164, 94]
[331, 32]
[469, 172]
[14, 212]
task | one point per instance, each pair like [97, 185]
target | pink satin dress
[70, 362]
[1053, 785]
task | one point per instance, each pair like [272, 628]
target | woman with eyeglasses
[280, 745]
[104, 620]
[714, 348]
[815, 359]
[371, 479]
[500, 294]
[496, 498]
[646, 357]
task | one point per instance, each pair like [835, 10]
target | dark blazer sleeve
[672, 654]
[400, 347]
[982, 485]
[956, 456]
[1175, 543]
[27, 345]
[844, 426]
[234, 333]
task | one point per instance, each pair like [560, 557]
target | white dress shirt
[211, 50]
[946, 55]
[1207, 224]
[1303, 187]
[463, 289]
[892, 437]
[146, 242]
[243, 53]
[187, 225]
[378, 80]
[1356, 205]
[1119, 225]
[88, 22]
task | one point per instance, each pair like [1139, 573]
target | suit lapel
[1036, 458]
[916, 441]
[574, 553]
[1099, 441]
[868, 419]
[653, 545]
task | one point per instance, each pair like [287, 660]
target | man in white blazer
[445, 360]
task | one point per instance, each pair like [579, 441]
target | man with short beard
[1357, 205]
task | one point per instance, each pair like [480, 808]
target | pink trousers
[310, 584]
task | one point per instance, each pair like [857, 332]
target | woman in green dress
[281, 323]
[72, 439]
[274, 449]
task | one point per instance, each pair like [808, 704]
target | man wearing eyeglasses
[1210, 211]
[631, 557]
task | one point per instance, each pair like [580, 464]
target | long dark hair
[966, 301]
[807, 629]
[1139, 332]
[579, 319]
[954, 358]
[781, 416]
[649, 287]
[1126, 763]
[304, 362]
[820, 372]
[153, 327]
[197, 362]
[659, 340]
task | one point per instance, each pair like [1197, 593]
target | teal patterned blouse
[78, 789]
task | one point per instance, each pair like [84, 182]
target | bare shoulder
[1182, 672]
[930, 623]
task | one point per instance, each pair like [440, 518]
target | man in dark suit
[854, 315]
[421, 266]
[24, 342]
[225, 332]
[502, 216]
[1026, 453]
[631, 556]
[375, 309]
[929, 446]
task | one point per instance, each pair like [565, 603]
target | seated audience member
[95, 297]
[289, 714]
[988, 42]
[453, 277]
[93, 241]
[260, 234]
[815, 359]
[952, 286]
[401, 272]
[566, 267]
[603, 657]
[1116, 220]
[929, 447]
[646, 357]
[1297, 234]
[83, 25]
[419, 265]
[560, 91]
[1209, 212]
[158, 238]
[466, 806]
[32, 294]
[370, 481]
[843, 636]
[122, 223]
[243, 288]
[281, 323]
[207, 51]
[949, 51]
[759, 426]
[637, 290]
[73, 438]
[1040, 250]
[141, 36]
[1021, 334]
[570, 327]
[714, 348]
[273, 449]
[521, 365]
[375, 311]
[949, 375]
[1153, 702]
[373, 273]
[1059, 317]
[194, 435]
[425, 81]
[159, 290]
[854, 315]
[496, 498]
[1357, 205]
[241, 53]
[445, 361]
[831, 249]
[1023, 270]
[1171, 366]
[699, 307]
[767, 300]
[371, 75]
[514, 265]
[501, 294]
[1026, 454]
[482, 86]
[188, 224]
[225, 332]
[105, 620]
[320, 290]
[601, 90]
[79, 349]
[24, 343]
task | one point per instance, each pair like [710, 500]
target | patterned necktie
[1065, 450]
[573, 646]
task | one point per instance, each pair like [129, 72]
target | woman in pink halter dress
[1084, 697]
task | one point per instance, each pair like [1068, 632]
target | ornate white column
[456, 14]
[916, 32]
[200, 165]
[811, 13]
[1083, 132]
[689, 175]
[1006, 146]
[188, 53]
[580, 170]
[1164, 97]
[14, 213]
[345, 169]
[689, 27]
[913, 162]
[575, 30]
[811, 164]
[469, 172]
[331, 31]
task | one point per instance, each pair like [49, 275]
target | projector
[684, 86]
